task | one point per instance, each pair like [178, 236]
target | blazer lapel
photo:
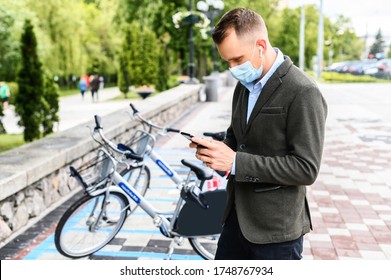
[268, 90]
[243, 108]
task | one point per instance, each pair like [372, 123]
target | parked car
[336, 66]
[384, 69]
[359, 67]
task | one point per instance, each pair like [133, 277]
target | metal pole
[302, 38]
[191, 80]
[214, 54]
[320, 42]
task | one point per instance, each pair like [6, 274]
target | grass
[68, 92]
[10, 141]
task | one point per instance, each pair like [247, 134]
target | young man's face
[237, 51]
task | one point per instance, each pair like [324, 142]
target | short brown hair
[243, 21]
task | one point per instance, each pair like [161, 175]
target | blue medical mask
[245, 72]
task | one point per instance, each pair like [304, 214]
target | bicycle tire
[205, 246]
[74, 238]
[139, 178]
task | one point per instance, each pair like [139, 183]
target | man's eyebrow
[235, 58]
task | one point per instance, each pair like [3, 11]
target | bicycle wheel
[205, 246]
[139, 178]
[90, 223]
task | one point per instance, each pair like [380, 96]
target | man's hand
[214, 154]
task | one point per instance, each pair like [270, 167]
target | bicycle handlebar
[135, 111]
[151, 125]
[173, 130]
[219, 136]
[120, 148]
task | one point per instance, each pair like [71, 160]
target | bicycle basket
[94, 173]
[140, 141]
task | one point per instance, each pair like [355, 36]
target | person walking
[83, 86]
[273, 146]
[94, 87]
[4, 94]
[101, 82]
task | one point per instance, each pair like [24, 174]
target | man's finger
[202, 141]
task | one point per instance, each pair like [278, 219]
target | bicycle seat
[202, 172]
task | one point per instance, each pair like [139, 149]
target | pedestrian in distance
[94, 87]
[273, 146]
[101, 82]
[4, 94]
[83, 86]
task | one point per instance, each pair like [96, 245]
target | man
[273, 146]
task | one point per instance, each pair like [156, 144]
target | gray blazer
[278, 154]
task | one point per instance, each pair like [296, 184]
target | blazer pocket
[272, 110]
[267, 188]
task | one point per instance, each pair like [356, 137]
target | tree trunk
[2, 129]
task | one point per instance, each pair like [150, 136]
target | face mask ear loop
[252, 56]
[261, 54]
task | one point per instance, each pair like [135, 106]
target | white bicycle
[113, 192]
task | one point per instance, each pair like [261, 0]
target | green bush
[347, 78]
[14, 89]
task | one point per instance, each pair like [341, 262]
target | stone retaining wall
[34, 178]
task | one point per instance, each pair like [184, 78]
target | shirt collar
[279, 60]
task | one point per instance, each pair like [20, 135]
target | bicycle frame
[159, 161]
[159, 220]
[157, 216]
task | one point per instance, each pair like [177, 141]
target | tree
[28, 102]
[124, 63]
[143, 55]
[50, 103]
[2, 129]
[86, 41]
[378, 46]
[9, 56]
[162, 78]
[344, 42]
[150, 57]
[136, 59]
[288, 41]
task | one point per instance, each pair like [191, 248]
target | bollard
[211, 88]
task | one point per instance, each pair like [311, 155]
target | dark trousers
[233, 245]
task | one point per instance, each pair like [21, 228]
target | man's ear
[261, 43]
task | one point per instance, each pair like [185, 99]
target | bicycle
[99, 215]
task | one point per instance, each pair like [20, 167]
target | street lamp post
[212, 9]
[302, 38]
[320, 41]
[192, 79]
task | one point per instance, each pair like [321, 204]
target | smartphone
[189, 136]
